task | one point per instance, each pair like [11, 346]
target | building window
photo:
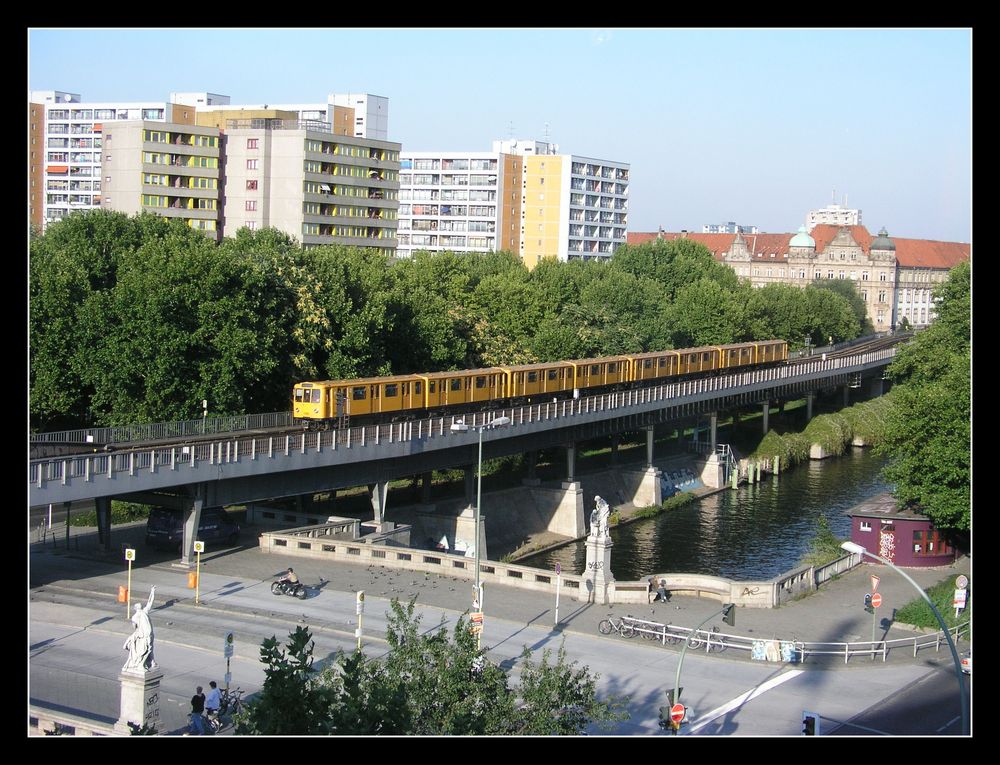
[252, 143]
[251, 205]
[252, 225]
[251, 164]
[252, 185]
[865, 526]
[864, 276]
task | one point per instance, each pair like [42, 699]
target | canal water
[755, 532]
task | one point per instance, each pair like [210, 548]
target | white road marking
[740, 700]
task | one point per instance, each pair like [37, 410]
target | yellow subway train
[320, 404]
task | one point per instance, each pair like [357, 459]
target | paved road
[77, 630]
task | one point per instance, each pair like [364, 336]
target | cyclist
[214, 700]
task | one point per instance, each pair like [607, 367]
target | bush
[831, 431]
[121, 512]
[919, 614]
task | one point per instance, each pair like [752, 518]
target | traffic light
[665, 722]
[729, 614]
[810, 724]
[868, 604]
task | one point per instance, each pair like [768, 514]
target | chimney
[684, 233]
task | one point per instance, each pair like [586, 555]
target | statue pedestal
[140, 700]
[598, 579]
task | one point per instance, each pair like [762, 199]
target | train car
[655, 365]
[331, 399]
[527, 382]
[707, 358]
[609, 371]
[463, 388]
[771, 351]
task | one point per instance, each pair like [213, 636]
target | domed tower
[882, 246]
[802, 244]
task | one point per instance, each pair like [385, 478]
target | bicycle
[623, 628]
[230, 702]
[716, 644]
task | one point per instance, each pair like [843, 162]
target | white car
[966, 660]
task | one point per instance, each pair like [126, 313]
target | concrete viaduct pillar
[570, 462]
[425, 487]
[103, 505]
[192, 520]
[766, 411]
[810, 397]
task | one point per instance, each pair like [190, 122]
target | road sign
[677, 713]
[129, 553]
[959, 600]
[558, 569]
[199, 547]
[227, 646]
[360, 602]
[875, 581]
[876, 600]
[962, 582]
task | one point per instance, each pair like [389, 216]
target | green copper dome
[802, 239]
[883, 242]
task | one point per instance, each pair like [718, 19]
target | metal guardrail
[233, 449]
[792, 651]
[159, 430]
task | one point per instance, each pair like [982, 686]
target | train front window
[316, 395]
[298, 395]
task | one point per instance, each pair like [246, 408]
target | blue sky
[756, 126]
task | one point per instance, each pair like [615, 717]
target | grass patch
[121, 512]
[919, 614]
[671, 503]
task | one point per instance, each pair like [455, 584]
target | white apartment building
[458, 201]
[833, 215]
[523, 197]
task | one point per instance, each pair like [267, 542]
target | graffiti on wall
[887, 545]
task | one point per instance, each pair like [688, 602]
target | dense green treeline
[929, 432]
[137, 319]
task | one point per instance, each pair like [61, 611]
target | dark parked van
[165, 527]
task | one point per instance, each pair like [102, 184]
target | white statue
[599, 517]
[140, 643]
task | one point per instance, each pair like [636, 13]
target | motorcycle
[295, 589]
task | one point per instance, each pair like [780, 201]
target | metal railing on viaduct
[245, 468]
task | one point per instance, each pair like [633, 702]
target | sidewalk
[835, 613]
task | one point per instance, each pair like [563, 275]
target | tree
[928, 435]
[428, 684]
[848, 290]
[290, 702]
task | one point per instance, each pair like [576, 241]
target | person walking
[197, 710]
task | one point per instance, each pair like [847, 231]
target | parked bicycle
[713, 639]
[655, 631]
[623, 626]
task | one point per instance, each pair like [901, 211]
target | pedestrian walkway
[833, 614]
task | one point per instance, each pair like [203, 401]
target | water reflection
[756, 532]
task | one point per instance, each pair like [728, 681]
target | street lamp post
[857, 549]
[461, 427]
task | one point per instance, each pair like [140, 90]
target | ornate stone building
[894, 276]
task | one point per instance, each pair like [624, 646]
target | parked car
[165, 527]
[966, 659]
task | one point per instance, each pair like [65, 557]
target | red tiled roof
[926, 253]
[824, 233]
[912, 253]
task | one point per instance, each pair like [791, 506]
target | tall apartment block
[523, 197]
[66, 136]
[319, 187]
[168, 169]
[66, 140]
[459, 201]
